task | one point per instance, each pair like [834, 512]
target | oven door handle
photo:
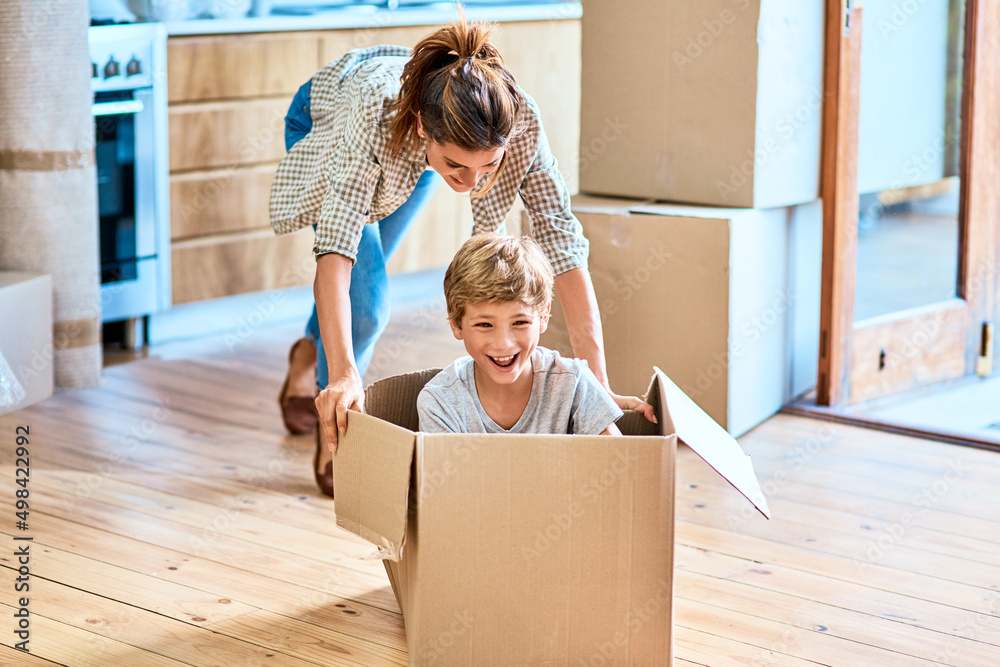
[117, 108]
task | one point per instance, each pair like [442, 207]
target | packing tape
[79, 368]
[619, 231]
[76, 333]
[45, 160]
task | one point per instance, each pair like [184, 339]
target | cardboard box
[714, 102]
[725, 301]
[26, 333]
[526, 549]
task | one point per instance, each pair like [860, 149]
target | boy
[499, 294]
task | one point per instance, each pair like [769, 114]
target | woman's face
[461, 169]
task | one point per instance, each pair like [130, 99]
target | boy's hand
[333, 403]
[634, 403]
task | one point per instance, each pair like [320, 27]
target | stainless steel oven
[128, 68]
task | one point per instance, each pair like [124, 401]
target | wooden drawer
[336, 43]
[220, 67]
[220, 200]
[235, 264]
[225, 134]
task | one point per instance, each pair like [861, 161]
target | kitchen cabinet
[228, 94]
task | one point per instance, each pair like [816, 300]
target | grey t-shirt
[565, 398]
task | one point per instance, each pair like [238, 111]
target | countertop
[376, 18]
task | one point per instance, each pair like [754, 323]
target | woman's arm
[333, 307]
[583, 320]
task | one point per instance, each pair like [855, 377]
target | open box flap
[371, 479]
[710, 441]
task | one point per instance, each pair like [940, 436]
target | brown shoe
[298, 412]
[324, 478]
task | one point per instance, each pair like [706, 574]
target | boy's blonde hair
[494, 268]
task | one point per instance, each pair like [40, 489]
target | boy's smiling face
[501, 338]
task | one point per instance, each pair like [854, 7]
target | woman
[385, 125]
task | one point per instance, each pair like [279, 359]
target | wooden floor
[174, 523]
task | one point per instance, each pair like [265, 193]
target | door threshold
[807, 407]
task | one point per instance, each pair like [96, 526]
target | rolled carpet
[48, 180]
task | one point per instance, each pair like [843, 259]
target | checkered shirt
[341, 175]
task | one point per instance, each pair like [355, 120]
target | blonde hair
[494, 268]
[457, 82]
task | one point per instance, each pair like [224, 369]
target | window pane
[908, 154]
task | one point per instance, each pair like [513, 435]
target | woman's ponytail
[457, 82]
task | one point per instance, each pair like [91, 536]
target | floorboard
[175, 523]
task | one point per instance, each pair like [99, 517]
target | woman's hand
[345, 393]
[344, 390]
[635, 403]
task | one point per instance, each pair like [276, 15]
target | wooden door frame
[942, 337]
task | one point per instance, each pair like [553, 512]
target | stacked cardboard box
[713, 102]
[717, 104]
[26, 336]
[725, 301]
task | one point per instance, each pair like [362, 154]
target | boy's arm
[434, 415]
[594, 411]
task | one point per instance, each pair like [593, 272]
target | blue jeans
[369, 292]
